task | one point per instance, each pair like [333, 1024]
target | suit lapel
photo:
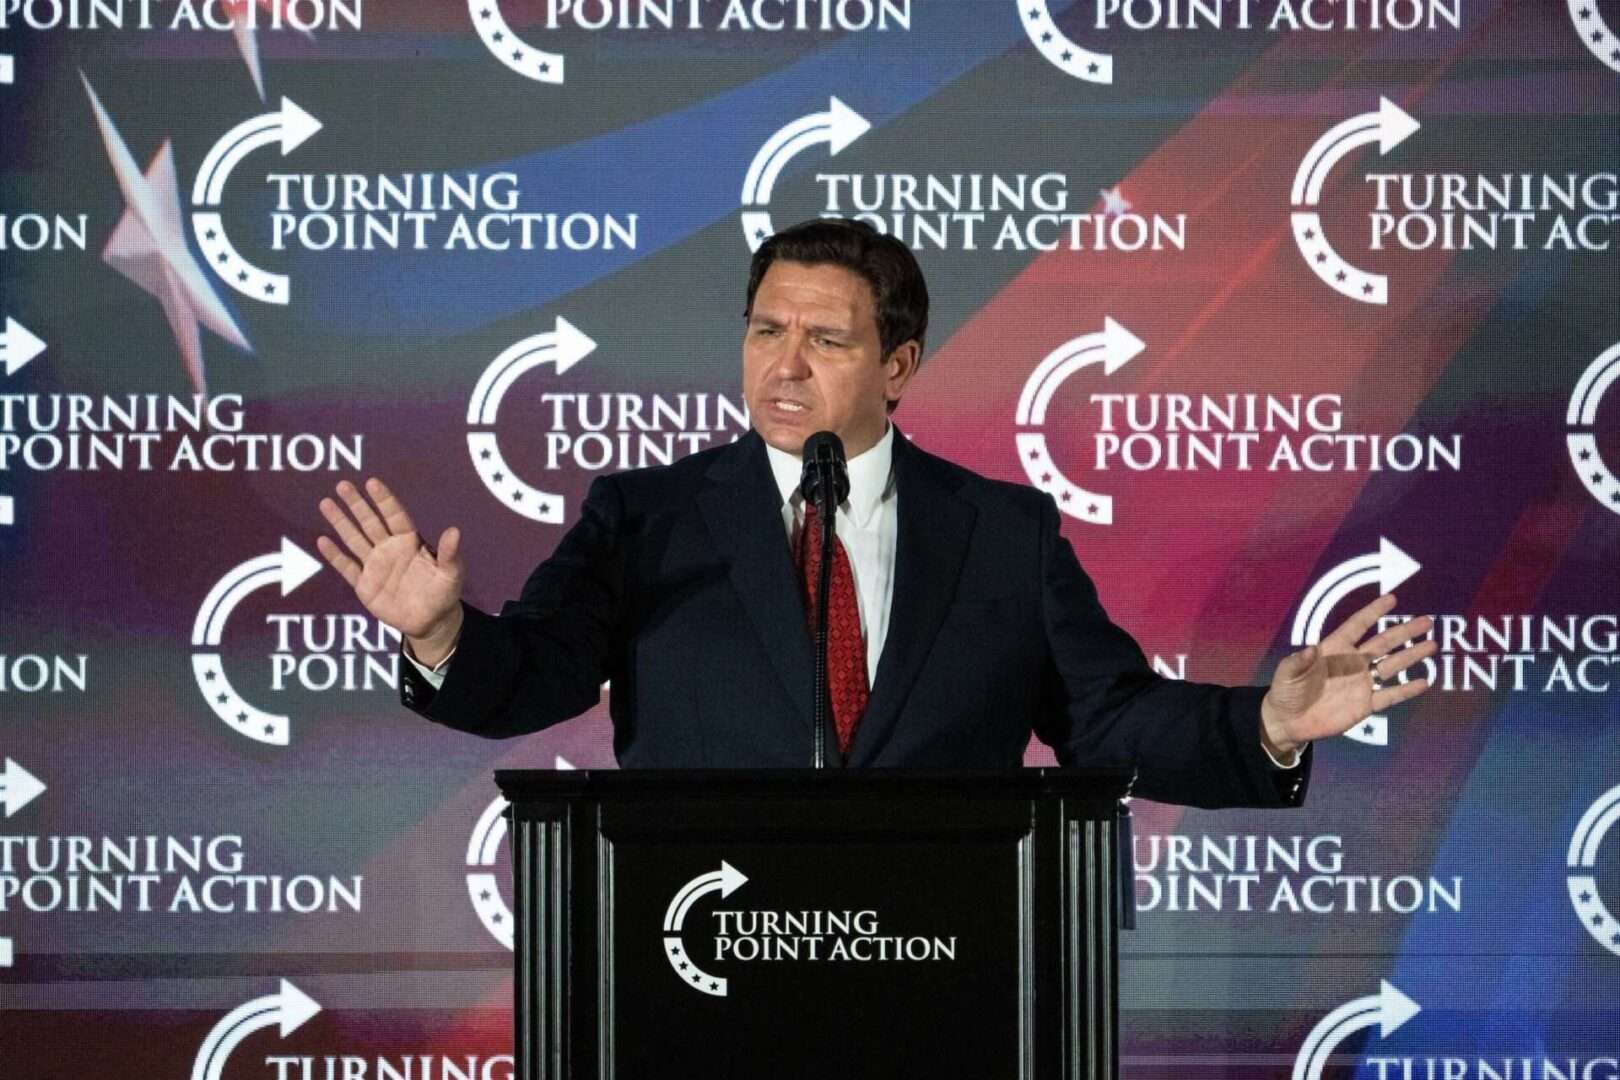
[933, 531]
[743, 511]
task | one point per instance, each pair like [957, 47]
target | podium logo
[631, 16]
[803, 936]
[286, 1010]
[1581, 421]
[1594, 825]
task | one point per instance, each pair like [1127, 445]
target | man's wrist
[1277, 746]
[436, 647]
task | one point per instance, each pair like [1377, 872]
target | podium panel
[794, 924]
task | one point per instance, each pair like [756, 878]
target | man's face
[812, 360]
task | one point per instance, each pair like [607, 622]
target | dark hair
[899, 293]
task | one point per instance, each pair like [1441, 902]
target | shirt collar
[869, 477]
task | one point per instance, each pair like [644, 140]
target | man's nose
[794, 361]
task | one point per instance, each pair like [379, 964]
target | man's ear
[900, 365]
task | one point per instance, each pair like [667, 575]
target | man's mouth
[790, 406]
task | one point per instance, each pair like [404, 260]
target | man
[965, 622]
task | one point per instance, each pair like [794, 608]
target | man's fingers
[358, 505]
[1347, 633]
[1396, 662]
[345, 527]
[394, 516]
[1394, 695]
[1397, 635]
[449, 544]
[342, 563]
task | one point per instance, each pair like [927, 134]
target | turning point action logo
[1584, 454]
[563, 347]
[1386, 1010]
[1594, 825]
[287, 1010]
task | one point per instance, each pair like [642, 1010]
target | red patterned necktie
[846, 650]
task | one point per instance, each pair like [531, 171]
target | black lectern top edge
[1095, 786]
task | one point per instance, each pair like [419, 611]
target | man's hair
[899, 294]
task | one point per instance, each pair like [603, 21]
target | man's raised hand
[1329, 688]
[398, 578]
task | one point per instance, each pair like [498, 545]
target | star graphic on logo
[1114, 204]
[148, 246]
[242, 29]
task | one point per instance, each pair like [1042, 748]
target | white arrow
[565, 346]
[18, 787]
[1388, 127]
[8, 510]
[1388, 1009]
[291, 126]
[18, 345]
[8, 75]
[8, 954]
[1059, 50]
[838, 127]
[506, 47]
[291, 1008]
[1112, 348]
[1388, 567]
[1595, 33]
[726, 880]
[289, 568]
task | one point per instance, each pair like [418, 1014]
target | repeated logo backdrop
[1286, 302]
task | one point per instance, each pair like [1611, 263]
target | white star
[149, 247]
[242, 30]
[1114, 204]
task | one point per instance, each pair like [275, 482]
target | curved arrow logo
[725, 881]
[289, 1009]
[1059, 51]
[1386, 568]
[837, 127]
[1595, 474]
[1594, 825]
[1388, 1010]
[1113, 347]
[483, 852]
[289, 568]
[1388, 127]
[291, 127]
[1602, 42]
[565, 346]
[508, 48]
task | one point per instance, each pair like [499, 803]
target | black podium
[780, 924]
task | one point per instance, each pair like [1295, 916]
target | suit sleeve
[544, 658]
[1197, 744]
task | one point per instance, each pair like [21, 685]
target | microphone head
[823, 458]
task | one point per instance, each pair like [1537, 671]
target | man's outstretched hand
[398, 578]
[1328, 688]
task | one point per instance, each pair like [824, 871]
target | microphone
[825, 471]
[824, 484]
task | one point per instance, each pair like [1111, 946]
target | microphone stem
[823, 709]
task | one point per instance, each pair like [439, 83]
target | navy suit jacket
[677, 585]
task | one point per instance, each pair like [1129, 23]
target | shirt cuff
[435, 674]
[1293, 763]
